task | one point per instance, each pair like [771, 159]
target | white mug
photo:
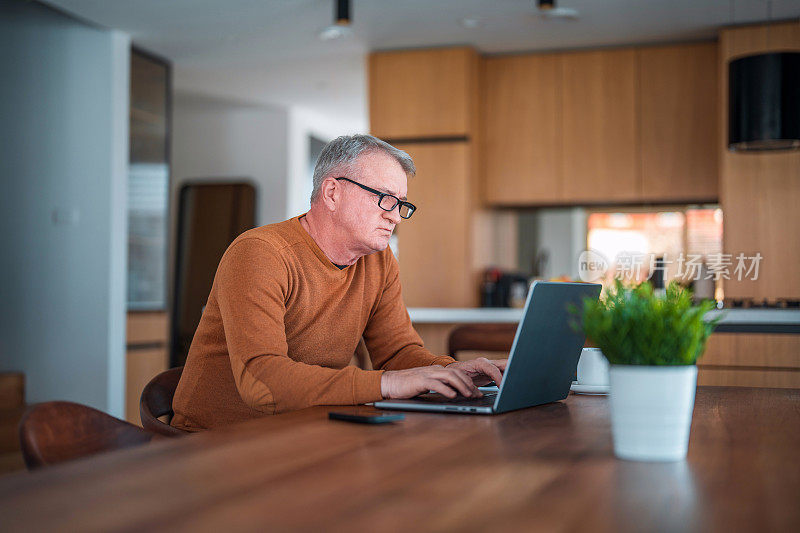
[592, 367]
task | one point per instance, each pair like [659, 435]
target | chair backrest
[481, 337]
[53, 432]
[156, 401]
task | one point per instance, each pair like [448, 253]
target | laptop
[542, 362]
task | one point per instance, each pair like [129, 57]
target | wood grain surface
[435, 251]
[600, 139]
[759, 192]
[678, 126]
[521, 122]
[422, 93]
[547, 468]
[147, 337]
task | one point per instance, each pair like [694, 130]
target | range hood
[764, 102]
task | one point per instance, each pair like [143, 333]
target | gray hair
[339, 156]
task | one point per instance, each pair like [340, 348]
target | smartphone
[366, 416]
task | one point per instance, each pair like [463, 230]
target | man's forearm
[412, 356]
[275, 384]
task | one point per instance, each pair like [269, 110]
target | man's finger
[451, 378]
[440, 387]
[489, 369]
[499, 363]
[462, 374]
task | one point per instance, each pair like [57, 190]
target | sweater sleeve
[252, 284]
[391, 340]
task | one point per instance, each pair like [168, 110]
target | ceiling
[267, 51]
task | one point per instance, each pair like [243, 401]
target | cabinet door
[146, 356]
[422, 93]
[521, 130]
[434, 245]
[760, 192]
[599, 137]
[751, 360]
[678, 122]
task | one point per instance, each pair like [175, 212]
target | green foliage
[633, 326]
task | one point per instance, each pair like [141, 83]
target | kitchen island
[733, 320]
[750, 347]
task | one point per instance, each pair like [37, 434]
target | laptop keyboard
[435, 397]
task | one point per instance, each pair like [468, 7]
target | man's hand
[450, 381]
[482, 371]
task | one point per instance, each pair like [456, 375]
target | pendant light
[764, 101]
[341, 22]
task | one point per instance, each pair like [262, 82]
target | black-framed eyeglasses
[387, 201]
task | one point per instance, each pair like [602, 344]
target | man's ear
[330, 193]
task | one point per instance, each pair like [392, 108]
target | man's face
[370, 226]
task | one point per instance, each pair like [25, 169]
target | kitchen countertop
[733, 320]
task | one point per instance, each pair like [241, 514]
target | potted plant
[652, 343]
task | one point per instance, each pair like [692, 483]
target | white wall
[332, 87]
[302, 124]
[63, 226]
[216, 140]
[219, 140]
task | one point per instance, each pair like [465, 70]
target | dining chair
[156, 401]
[481, 338]
[54, 432]
[485, 338]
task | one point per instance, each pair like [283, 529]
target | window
[670, 233]
[148, 182]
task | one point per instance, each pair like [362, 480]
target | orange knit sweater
[280, 328]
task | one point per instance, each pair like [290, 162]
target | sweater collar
[308, 239]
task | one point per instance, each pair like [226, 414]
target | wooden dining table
[545, 468]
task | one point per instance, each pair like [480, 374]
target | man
[290, 302]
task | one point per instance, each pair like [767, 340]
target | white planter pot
[651, 411]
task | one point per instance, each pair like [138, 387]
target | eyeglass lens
[388, 203]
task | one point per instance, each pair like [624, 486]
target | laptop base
[543, 358]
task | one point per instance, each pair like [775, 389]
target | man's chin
[380, 244]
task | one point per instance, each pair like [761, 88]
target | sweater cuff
[443, 360]
[367, 386]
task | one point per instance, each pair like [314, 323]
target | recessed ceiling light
[341, 22]
[334, 31]
[470, 22]
[548, 10]
[560, 13]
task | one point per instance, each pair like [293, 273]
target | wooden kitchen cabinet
[610, 126]
[423, 93]
[759, 196]
[751, 360]
[599, 130]
[521, 124]
[146, 356]
[435, 253]
[678, 94]
[759, 191]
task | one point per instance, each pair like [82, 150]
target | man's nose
[394, 215]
